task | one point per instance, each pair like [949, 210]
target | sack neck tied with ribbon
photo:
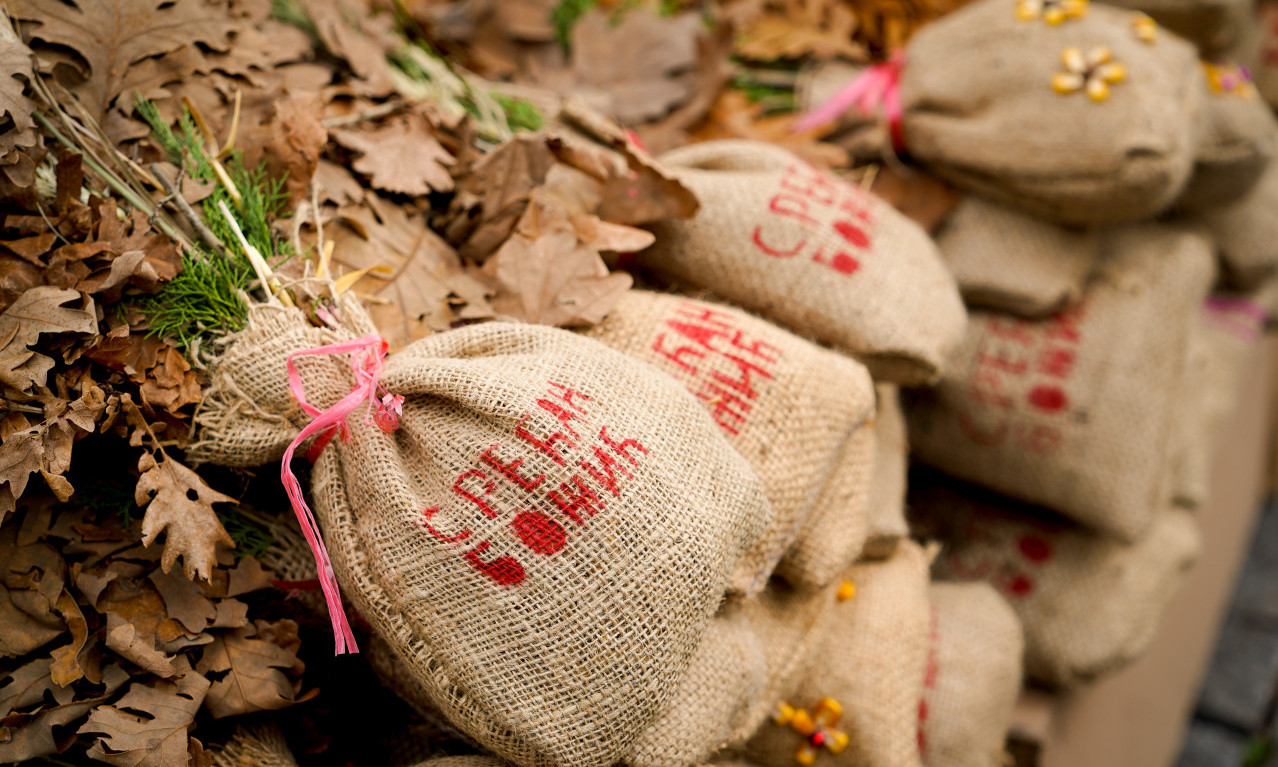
[876, 88]
[383, 410]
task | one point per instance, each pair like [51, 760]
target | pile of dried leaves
[419, 153]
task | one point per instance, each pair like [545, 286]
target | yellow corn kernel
[1097, 89]
[1112, 73]
[847, 590]
[1067, 82]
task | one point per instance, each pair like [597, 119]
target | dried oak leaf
[249, 672]
[46, 448]
[148, 726]
[403, 157]
[39, 310]
[791, 36]
[68, 659]
[545, 274]
[636, 60]
[180, 505]
[15, 62]
[35, 737]
[110, 36]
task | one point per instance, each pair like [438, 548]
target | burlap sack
[980, 110]
[835, 534]
[1089, 604]
[786, 404]
[973, 677]
[752, 655]
[871, 661]
[542, 541]
[813, 253]
[1074, 412]
[261, 745]
[887, 490]
[752, 650]
[1236, 135]
[1245, 232]
[1213, 25]
[1008, 261]
[1191, 445]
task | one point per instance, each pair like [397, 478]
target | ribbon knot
[384, 412]
[878, 86]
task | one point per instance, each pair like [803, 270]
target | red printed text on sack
[596, 461]
[1018, 391]
[1006, 553]
[722, 365]
[930, 675]
[822, 207]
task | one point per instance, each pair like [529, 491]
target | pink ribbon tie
[366, 364]
[878, 86]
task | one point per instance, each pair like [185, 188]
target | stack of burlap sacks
[1065, 418]
[1116, 247]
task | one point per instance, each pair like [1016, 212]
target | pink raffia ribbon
[878, 86]
[1244, 318]
[366, 364]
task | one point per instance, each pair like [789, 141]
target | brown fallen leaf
[545, 274]
[124, 638]
[38, 311]
[792, 36]
[184, 601]
[15, 66]
[402, 157]
[36, 736]
[180, 505]
[46, 448]
[23, 632]
[148, 725]
[248, 673]
[67, 666]
[110, 36]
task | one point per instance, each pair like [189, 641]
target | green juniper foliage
[207, 296]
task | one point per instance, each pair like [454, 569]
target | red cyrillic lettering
[480, 503]
[510, 470]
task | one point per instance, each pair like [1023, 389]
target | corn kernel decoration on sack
[1082, 121]
[1089, 604]
[856, 700]
[973, 676]
[821, 257]
[551, 521]
[1074, 412]
[1237, 131]
[1012, 262]
[787, 405]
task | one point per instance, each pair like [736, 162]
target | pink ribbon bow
[878, 86]
[366, 364]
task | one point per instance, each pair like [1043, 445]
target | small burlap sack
[1213, 25]
[891, 464]
[871, 661]
[1074, 412]
[260, 745]
[751, 651]
[1245, 232]
[543, 539]
[1089, 604]
[980, 110]
[822, 257]
[1235, 144]
[1008, 261]
[787, 405]
[835, 534]
[973, 677]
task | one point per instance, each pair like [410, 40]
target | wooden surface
[1137, 717]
